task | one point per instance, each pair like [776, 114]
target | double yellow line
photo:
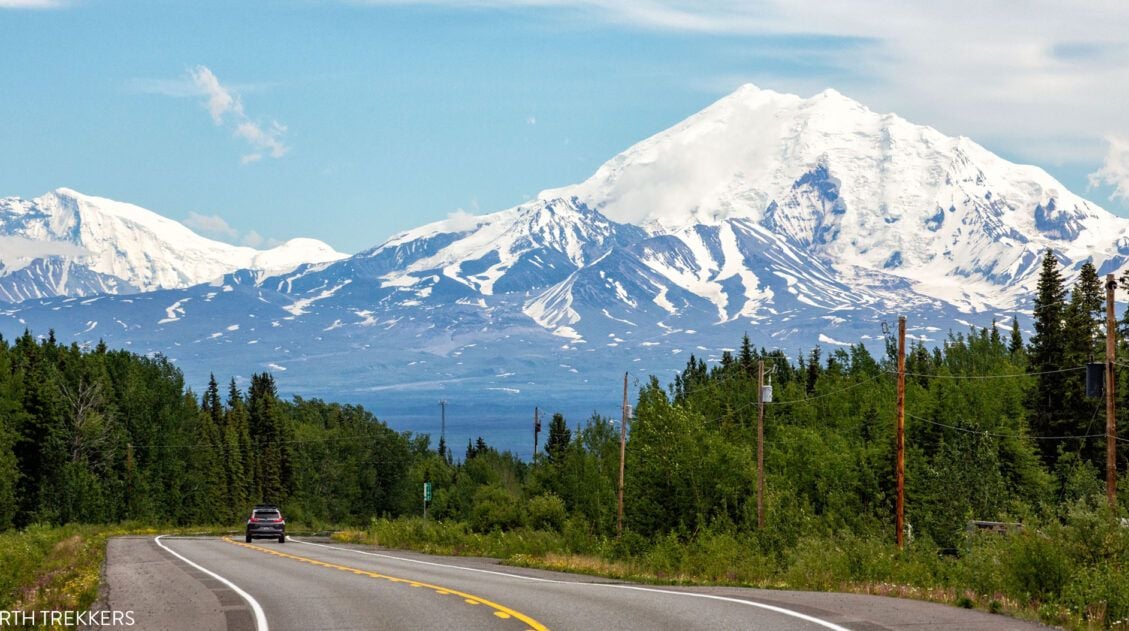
[501, 611]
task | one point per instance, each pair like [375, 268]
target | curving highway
[202, 583]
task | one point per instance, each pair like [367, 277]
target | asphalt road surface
[203, 583]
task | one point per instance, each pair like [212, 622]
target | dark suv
[266, 522]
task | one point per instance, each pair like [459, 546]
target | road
[205, 583]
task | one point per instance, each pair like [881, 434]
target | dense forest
[105, 436]
[998, 428]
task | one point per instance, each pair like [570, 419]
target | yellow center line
[500, 611]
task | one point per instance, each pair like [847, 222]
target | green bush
[1099, 594]
[1037, 567]
[666, 556]
[495, 509]
[546, 512]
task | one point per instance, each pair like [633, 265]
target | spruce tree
[1046, 354]
[1015, 344]
[211, 402]
[272, 470]
[559, 438]
[1084, 343]
[746, 358]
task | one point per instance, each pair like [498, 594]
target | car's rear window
[267, 514]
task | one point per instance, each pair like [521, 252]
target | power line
[828, 394]
[224, 447]
[999, 435]
[1006, 376]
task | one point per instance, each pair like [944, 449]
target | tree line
[104, 436]
[998, 428]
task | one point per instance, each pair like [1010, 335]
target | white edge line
[260, 617]
[739, 601]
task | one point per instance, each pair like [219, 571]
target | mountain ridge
[120, 248]
[858, 217]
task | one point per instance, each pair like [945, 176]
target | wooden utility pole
[443, 420]
[760, 444]
[622, 455]
[536, 429]
[901, 433]
[1110, 412]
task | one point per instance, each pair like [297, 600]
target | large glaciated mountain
[65, 243]
[796, 221]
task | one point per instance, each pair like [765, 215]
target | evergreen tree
[746, 359]
[994, 336]
[559, 438]
[1047, 354]
[813, 370]
[1084, 317]
[1015, 342]
[268, 437]
[210, 402]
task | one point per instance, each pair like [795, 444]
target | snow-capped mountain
[858, 190]
[796, 221]
[65, 243]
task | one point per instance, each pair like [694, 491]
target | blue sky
[349, 121]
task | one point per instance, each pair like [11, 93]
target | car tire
[248, 538]
[282, 538]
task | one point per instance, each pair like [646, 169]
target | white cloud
[530, 120]
[17, 252]
[253, 239]
[225, 107]
[1040, 80]
[217, 227]
[31, 4]
[212, 225]
[461, 220]
[221, 101]
[1115, 171]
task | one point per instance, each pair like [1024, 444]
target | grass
[1073, 575]
[51, 568]
[59, 568]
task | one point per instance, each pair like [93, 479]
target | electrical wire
[999, 435]
[224, 447]
[827, 394]
[1007, 376]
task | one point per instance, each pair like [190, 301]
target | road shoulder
[166, 593]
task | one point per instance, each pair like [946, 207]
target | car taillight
[253, 520]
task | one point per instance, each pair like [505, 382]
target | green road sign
[427, 491]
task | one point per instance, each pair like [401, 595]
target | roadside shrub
[1036, 566]
[816, 563]
[495, 509]
[577, 537]
[666, 557]
[629, 545]
[1099, 594]
[546, 512]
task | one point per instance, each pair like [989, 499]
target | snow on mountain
[857, 188]
[795, 221]
[67, 243]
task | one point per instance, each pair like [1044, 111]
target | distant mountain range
[69, 244]
[796, 221]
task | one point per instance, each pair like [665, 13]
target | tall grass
[51, 568]
[59, 568]
[1072, 573]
